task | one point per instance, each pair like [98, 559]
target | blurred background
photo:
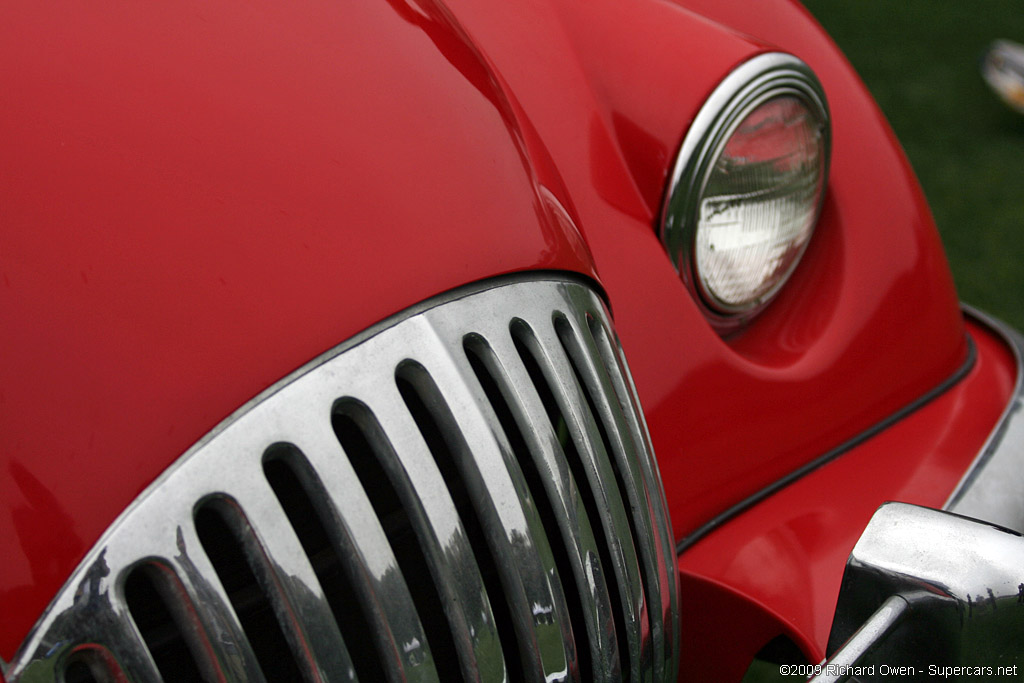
[920, 59]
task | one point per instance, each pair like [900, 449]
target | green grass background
[920, 60]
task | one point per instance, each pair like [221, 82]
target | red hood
[199, 198]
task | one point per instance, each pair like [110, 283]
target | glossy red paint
[205, 197]
[739, 637]
[785, 557]
[199, 199]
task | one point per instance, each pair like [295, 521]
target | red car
[316, 326]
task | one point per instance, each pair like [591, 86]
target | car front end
[318, 327]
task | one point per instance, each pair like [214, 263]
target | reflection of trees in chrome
[380, 608]
[473, 605]
[407, 629]
[314, 616]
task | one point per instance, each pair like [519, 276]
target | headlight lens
[759, 206]
[748, 187]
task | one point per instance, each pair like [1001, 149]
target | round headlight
[747, 187]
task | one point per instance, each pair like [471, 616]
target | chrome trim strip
[992, 488]
[879, 626]
[752, 83]
[349, 483]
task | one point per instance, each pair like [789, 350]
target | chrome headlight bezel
[754, 83]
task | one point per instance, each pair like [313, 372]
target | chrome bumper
[991, 489]
[931, 594]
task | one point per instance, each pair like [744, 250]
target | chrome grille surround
[475, 472]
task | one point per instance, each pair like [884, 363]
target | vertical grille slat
[464, 493]
[378, 470]
[229, 651]
[287, 579]
[356, 534]
[161, 610]
[514, 541]
[554, 375]
[623, 448]
[610, 355]
[553, 482]
[399, 449]
[441, 445]
[282, 467]
[229, 543]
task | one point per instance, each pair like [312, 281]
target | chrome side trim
[992, 487]
[928, 591]
[466, 493]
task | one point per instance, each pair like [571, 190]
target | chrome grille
[465, 493]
